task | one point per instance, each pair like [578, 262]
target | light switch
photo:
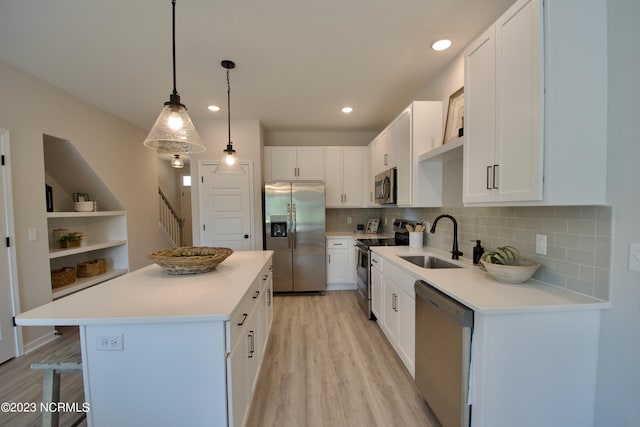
[634, 257]
[541, 244]
[32, 235]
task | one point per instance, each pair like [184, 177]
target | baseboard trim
[341, 287]
[40, 341]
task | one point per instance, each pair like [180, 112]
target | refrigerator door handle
[293, 216]
[289, 226]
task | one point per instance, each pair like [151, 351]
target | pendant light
[229, 162]
[173, 131]
[177, 162]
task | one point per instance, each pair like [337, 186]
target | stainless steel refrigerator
[295, 231]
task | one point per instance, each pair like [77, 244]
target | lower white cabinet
[340, 261]
[397, 319]
[376, 284]
[248, 333]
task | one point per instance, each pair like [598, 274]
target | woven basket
[190, 259]
[63, 277]
[92, 268]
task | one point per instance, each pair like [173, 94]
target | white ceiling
[297, 62]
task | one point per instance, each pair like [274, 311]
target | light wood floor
[19, 383]
[325, 365]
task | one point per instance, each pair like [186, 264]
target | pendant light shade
[177, 162]
[173, 131]
[229, 162]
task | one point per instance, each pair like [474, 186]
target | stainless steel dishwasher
[443, 353]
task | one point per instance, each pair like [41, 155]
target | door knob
[246, 236]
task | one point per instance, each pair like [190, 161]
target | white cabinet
[419, 130]
[340, 261]
[416, 130]
[527, 116]
[247, 334]
[376, 285]
[398, 312]
[266, 308]
[343, 176]
[294, 163]
[106, 238]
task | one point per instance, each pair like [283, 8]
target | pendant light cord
[228, 104]
[173, 35]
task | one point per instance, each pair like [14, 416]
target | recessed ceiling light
[213, 108]
[347, 110]
[441, 44]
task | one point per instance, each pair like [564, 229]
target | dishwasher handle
[459, 313]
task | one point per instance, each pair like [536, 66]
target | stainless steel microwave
[385, 189]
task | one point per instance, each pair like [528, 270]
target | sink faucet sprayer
[455, 253]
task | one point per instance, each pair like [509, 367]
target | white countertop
[150, 295]
[355, 235]
[477, 290]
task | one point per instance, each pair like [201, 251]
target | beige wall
[31, 108]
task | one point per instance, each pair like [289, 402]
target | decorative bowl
[83, 206]
[190, 259]
[512, 273]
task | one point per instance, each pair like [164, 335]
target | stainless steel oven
[363, 287]
[363, 264]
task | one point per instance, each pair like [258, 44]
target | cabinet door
[404, 159]
[237, 384]
[376, 293]
[480, 117]
[390, 315]
[519, 102]
[283, 163]
[253, 353]
[406, 306]
[338, 263]
[334, 195]
[353, 160]
[266, 311]
[310, 161]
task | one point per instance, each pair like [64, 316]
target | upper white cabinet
[344, 170]
[294, 163]
[535, 106]
[416, 130]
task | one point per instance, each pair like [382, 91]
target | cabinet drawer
[240, 316]
[376, 261]
[338, 243]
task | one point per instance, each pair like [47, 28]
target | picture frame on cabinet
[454, 125]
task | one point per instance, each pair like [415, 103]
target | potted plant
[505, 265]
[70, 240]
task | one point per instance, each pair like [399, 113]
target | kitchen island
[534, 347]
[167, 350]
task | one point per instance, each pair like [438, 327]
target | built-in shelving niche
[67, 172]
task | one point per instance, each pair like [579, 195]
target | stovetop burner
[401, 237]
[387, 241]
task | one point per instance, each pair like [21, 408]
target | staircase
[170, 224]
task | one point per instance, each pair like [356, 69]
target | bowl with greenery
[505, 265]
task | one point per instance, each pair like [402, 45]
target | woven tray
[91, 268]
[190, 259]
[63, 277]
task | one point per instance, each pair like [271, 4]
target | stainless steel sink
[428, 261]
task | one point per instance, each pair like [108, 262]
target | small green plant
[505, 255]
[71, 237]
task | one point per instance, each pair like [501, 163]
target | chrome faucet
[455, 253]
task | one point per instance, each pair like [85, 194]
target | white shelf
[57, 253]
[84, 214]
[85, 282]
[436, 152]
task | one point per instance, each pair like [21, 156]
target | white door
[226, 208]
[9, 335]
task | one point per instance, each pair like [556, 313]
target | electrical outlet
[541, 244]
[348, 220]
[634, 257]
[109, 343]
[32, 234]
